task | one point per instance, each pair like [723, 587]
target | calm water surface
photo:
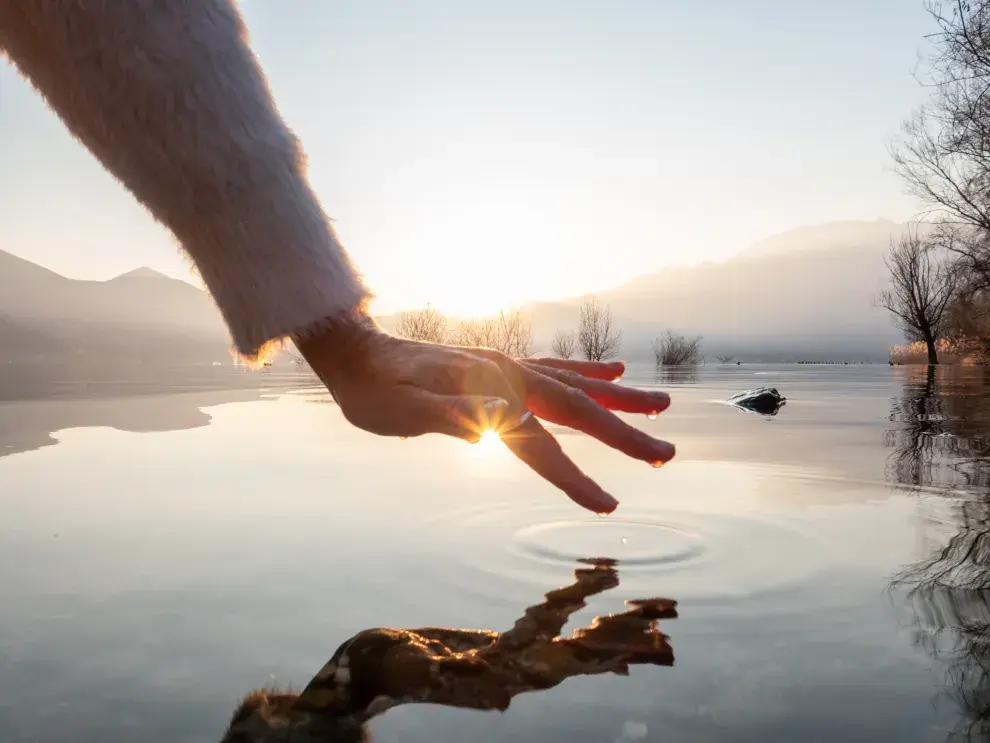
[166, 548]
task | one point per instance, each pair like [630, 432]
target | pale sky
[476, 153]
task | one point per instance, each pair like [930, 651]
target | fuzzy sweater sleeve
[169, 97]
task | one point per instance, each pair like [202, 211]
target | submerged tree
[671, 349]
[598, 338]
[922, 284]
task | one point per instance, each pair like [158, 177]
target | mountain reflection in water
[940, 446]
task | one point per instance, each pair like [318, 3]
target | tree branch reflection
[939, 443]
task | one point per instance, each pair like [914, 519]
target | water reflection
[380, 668]
[37, 401]
[668, 375]
[939, 443]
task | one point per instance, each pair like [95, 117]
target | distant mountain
[806, 294]
[803, 294]
[829, 236]
[139, 315]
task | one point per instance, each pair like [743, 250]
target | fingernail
[607, 504]
[522, 419]
[664, 453]
[495, 404]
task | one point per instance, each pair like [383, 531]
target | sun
[485, 451]
[489, 440]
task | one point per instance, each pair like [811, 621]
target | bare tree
[423, 325]
[598, 338]
[515, 334]
[671, 349]
[922, 285]
[564, 344]
[943, 153]
[508, 332]
[724, 359]
[476, 333]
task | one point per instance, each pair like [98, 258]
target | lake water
[167, 547]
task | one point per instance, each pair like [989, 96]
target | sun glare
[489, 440]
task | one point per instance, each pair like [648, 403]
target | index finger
[608, 371]
[537, 447]
[609, 395]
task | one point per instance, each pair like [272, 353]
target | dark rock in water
[763, 400]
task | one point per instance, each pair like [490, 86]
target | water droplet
[653, 416]
[624, 540]
[603, 515]
[658, 463]
[403, 438]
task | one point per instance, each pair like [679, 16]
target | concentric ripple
[639, 543]
[717, 532]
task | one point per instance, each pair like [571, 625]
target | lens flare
[489, 439]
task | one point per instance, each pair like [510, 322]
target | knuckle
[576, 399]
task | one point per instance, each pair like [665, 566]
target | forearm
[169, 97]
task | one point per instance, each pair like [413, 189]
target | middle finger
[556, 402]
[537, 447]
[608, 394]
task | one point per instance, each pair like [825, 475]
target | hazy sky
[474, 153]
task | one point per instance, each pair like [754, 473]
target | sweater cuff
[274, 267]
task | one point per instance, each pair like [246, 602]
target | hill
[803, 294]
[139, 315]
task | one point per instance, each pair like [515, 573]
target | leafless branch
[423, 325]
[564, 344]
[598, 337]
[671, 349]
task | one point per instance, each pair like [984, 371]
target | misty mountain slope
[22, 342]
[804, 292]
[816, 292]
[139, 315]
[831, 236]
[807, 289]
[139, 299]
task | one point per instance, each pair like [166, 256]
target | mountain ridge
[798, 293]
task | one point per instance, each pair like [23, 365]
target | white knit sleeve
[169, 97]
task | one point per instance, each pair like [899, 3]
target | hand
[396, 387]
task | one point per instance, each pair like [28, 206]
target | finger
[608, 394]
[606, 370]
[568, 406]
[534, 445]
[405, 410]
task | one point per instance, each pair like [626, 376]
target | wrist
[336, 342]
